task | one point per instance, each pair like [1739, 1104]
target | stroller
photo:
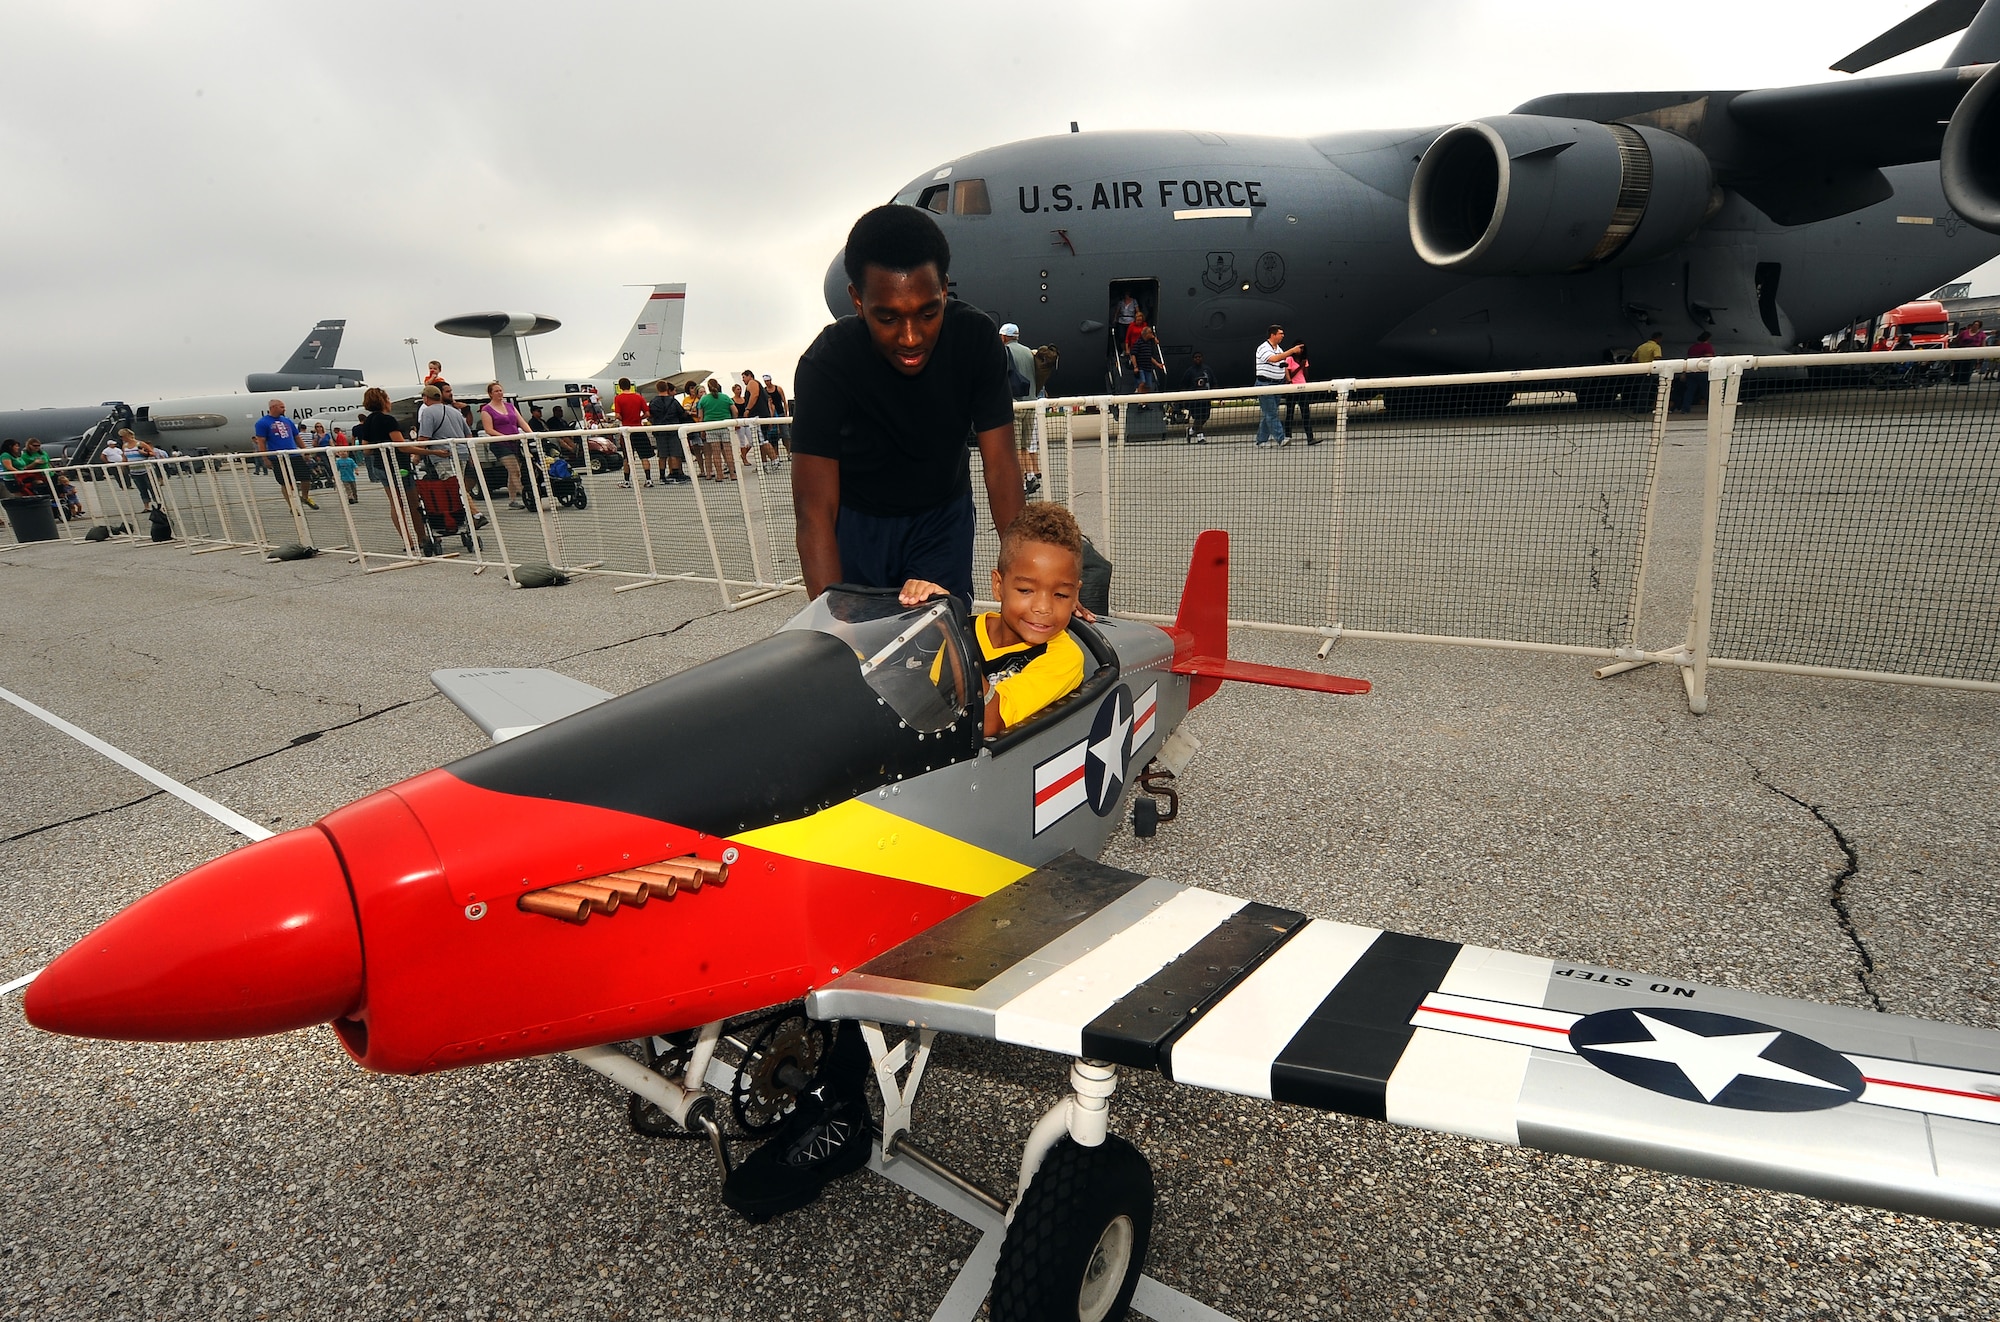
[443, 505]
[564, 484]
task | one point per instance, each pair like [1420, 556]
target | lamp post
[414, 367]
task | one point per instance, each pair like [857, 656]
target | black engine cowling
[1538, 195]
[1969, 164]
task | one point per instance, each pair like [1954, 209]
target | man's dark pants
[884, 551]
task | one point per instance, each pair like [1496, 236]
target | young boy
[1026, 652]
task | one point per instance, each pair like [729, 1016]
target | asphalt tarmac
[1809, 838]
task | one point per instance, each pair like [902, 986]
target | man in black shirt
[887, 399]
[664, 410]
[882, 489]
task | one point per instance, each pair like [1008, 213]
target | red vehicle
[1923, 320]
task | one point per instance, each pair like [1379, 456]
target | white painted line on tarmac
[235, 821]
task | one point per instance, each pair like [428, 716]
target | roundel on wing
[1108, 751]
[1716, 1059]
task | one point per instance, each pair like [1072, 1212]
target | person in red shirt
[1694, 382]
[631, 408]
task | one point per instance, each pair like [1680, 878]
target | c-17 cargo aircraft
[1560, 234]
[848, 846]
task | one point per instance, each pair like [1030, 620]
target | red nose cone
[262, 940]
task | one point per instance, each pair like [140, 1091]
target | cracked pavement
[1504, 799]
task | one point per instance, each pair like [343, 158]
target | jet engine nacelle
[1537, 195]
[1969, 163]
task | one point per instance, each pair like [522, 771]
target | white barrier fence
[1850, 508]
[479, 502]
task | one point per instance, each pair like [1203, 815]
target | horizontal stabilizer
[506, 702]
[1928, 24]
[1249, 672]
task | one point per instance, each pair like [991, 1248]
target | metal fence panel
[1858, 525]
[1415, 510]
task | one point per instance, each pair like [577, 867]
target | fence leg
[1725, 376]
[639, 496]
[493, 525]
[1662, 396]
[295, 494]
[259, 542]
[708, 529]
[360, 556]
[753, 526]
[531, 459]
[1105, 415]
[218, 504]
[1337, 524]
[1069, 458]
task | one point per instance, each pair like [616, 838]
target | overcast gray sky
[189, 186]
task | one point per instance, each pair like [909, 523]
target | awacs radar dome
[492, 325]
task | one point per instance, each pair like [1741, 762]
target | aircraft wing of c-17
[814, 818]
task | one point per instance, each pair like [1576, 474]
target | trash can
[33, 518]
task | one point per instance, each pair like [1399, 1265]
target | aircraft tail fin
[1201, 634]
[1980, 45]
[652, 348]
[319, 349]
[1981, 42]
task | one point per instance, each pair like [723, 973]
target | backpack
[163, 528]
[1018, 386]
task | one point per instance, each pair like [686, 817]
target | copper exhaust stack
[600, 898]
[659, 887]
[629, 892]
[712, 872]
[569, 908]
[688, 878]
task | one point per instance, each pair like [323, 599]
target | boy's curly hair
[1041, 521]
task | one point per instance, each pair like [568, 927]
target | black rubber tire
[1145, 816]
[582, 499]
[1069, 1210]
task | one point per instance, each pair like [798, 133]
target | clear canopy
[916, 658]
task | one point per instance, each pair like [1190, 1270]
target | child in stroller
[564, 465]
[443, 506]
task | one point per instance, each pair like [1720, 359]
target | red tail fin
[1201, 633]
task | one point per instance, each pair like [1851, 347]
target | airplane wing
[1088, 960]
[507, 702]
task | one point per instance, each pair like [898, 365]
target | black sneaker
[826, 1137]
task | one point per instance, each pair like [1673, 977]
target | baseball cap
[1011, 329]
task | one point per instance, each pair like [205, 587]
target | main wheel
[1078, 1242]
[1145, 816]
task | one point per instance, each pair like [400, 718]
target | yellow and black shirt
[1028, 678]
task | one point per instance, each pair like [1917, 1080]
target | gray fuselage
[1240, 232]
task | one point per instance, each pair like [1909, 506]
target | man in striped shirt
[1271, 372]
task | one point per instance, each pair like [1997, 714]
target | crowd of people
[730, 430]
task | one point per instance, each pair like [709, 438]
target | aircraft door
[1127, 300]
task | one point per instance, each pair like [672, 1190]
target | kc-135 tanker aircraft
[1557, 235]
[848, 846]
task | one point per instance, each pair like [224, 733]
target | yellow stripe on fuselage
[863, 837]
